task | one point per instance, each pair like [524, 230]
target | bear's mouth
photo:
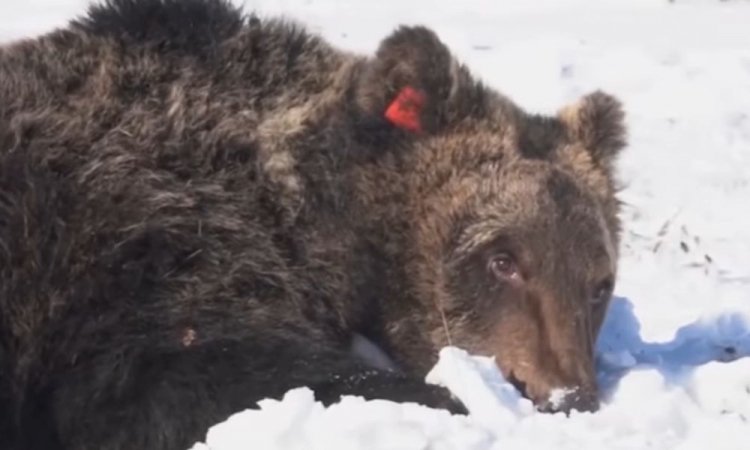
[562, 399]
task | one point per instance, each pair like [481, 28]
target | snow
[672, 354]
[648, 410]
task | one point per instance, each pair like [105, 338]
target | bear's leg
[379, 384]
[149, 399]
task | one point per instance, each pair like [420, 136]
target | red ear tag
[405, 111]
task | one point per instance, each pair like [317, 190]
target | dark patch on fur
[539, 136]
[563, 192]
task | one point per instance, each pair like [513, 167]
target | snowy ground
[670, 354]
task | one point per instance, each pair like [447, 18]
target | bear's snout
[566, 400]
[549, 397]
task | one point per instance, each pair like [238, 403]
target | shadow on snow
[620, 348]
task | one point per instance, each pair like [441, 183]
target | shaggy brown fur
[199, 209]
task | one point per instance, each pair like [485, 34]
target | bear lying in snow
[200, 209]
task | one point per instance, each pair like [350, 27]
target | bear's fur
[200, 209]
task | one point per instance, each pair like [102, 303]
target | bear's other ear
[597, 121]
[408, 82]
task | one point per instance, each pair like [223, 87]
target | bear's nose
[567, 400]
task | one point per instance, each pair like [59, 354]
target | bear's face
[515, 257]
[513, 228]
[527, 275]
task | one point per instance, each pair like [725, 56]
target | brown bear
[200, 209]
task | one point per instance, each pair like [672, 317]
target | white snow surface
[672, 357]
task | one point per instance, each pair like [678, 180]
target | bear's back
[169, 81]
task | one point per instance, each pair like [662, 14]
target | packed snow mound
[648, 410]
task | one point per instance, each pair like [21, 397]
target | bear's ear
[597, 121]
[408, 82]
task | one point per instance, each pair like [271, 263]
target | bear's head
[509, 222]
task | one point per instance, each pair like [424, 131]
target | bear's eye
[603, 292]
[504, 266]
